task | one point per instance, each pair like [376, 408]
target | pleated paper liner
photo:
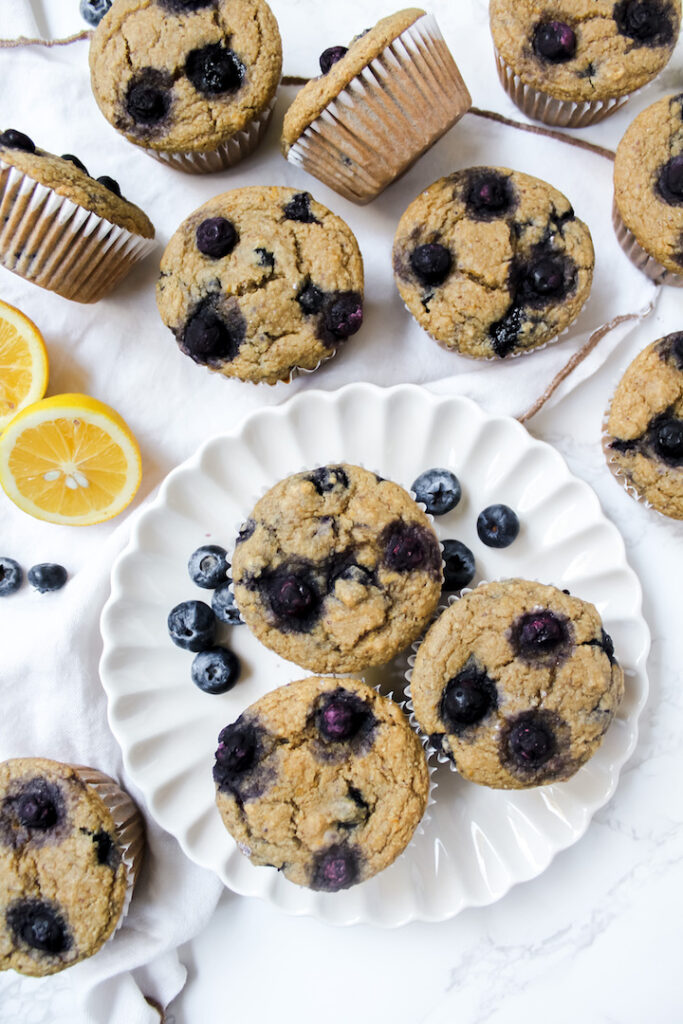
[398, 106]
[540, 106]
[53, 242]
[227, 155]
[639, 257]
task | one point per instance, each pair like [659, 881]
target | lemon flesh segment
[70, 462]
[23, 363]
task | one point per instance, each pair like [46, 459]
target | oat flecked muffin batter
[337, 569]
[492, 262]
[260, 281]
[323, 779]
[516, 683]
[644, 438]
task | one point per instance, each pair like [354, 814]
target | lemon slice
[69, 459]
[23, 363]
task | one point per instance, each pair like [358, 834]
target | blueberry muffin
[61, 228]
[323, 779]
[261, 281]
[337, 569]
[492, 262]
[193, 82]
[70, 845]
[572, 63]
[377, 106]
[648, 191]
[644, 436]
[516, 683]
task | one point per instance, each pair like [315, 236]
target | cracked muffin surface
[516, 682]
[337, 569]
[62, 877]
[182, 76]
[492, 262]
[585, 50]
[644, 442]
[260, 281]
[323, 779]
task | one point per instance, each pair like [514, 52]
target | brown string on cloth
[489, 115]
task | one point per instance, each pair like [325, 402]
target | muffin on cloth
[261, 282]
[192, 82]
[377, 106]
[643, 438]
[573, 62]
[323, 779]
[337, 569]
[492, 262]
[648, 191]
[516, 683]
[62, 229]
[71, 844]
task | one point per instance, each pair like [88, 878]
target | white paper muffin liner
[129, 826]
[57, 244]
[390, 113]
[540, 106]
[227, 155]
[639, 257]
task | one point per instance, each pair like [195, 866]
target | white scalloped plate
[477, 842]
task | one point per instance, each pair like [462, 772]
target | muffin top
[62, 878]
[644, 440]
[72, 181]
[316, 94]
[516, 683]
[648, 180]
[579, 50]
[323, 779]
[259, 281]
[492, 262]
[184, 75]
[337, 569]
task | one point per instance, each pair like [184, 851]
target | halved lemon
[23, 363]
[70, 459]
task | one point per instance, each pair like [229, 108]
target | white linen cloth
[119, 351]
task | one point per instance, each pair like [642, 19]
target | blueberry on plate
[11, 576]
[459, 568]
[47, 576]
[93, 11]
[223, 604]
[192, 625]
[215, 670]
[208, 566]
[497, 526]
[438, 489]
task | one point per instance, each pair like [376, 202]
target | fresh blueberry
[299, 208]
[467, 698]
[148, 97]
[328, 478]
[539, 634]
[311, 299]
[330, 56]
[438, 489]
[216, 237]
[459, 567]
[497, 526]
[409, 547]
[671, 180]
[668, 439]
[335, 868]
[208, 566]
[530, 742]
[192, 626]
[39, 925]
[431, 263]
[223, 604]
[210, 336]
[293, 596]
[647, 21]
[47, 576]
[238, 750]
[488, 194]
[215, 670]
[214, 69]
[93, 11]
[341, 715]
[13, 139]
[11, 576]
[110, 183]
[75, 161]
[555, 41]
[344, 315]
